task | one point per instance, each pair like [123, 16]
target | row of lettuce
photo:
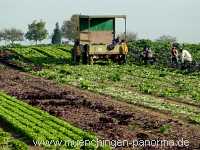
[43, 55]
[41, 128]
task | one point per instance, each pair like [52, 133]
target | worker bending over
[186, 58]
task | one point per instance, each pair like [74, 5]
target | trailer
[97, 35]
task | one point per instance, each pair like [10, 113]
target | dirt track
[108, 118]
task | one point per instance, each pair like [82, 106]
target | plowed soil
[108, 118]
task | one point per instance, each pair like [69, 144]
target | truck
[97, 35]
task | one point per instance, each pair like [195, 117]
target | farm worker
[186, 58]
[115, 41]
[147, 54]
[124, 50]
[174, 55]
[85, 54]
[76, 52]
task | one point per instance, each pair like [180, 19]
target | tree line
[37, 32]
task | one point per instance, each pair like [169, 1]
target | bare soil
[108, 118]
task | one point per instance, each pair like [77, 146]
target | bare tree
[11, 35]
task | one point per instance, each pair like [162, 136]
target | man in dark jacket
[148, 55]
[76, 53]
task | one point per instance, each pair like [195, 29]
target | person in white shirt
[186, 57]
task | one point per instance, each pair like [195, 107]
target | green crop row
[43, 55]
[7, 142]
[54, 52]
[28, 53]
[40, 126]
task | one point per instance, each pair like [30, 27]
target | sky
[148, 18]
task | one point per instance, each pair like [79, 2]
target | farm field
[171, 91]
[113, 101]
[107, 117]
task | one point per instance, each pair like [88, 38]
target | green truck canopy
[97, 24]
